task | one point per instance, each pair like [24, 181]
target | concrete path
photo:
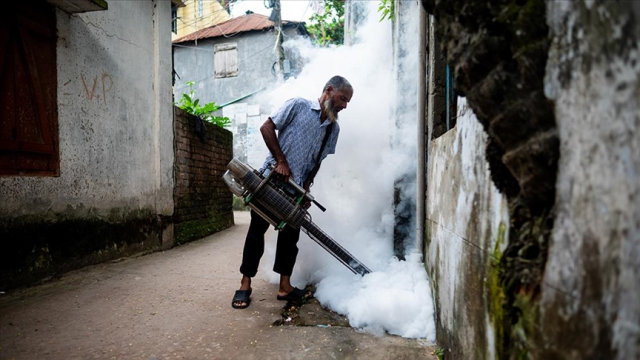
[175, 304]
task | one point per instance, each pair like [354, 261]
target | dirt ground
[177, 304]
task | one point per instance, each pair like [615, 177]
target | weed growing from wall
[191, 105]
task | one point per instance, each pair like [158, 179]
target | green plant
[386, 9]
[191, 105]
[439, 352]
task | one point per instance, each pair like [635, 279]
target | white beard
[332, 115]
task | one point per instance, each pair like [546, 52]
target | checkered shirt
[300, 136]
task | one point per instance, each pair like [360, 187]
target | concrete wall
[466, 227]
[246, 119]
[202, 200]
[255, 60]
[590, 306]
[116, 147]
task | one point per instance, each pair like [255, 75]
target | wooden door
[28, 86]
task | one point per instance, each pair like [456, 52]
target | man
[307, 133]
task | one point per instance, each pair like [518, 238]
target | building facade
[87, 135]
[189, 16]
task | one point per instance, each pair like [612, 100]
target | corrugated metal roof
[250, 22]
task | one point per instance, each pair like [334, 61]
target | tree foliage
[328, 29]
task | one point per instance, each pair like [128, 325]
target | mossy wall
[466, 230]
[196, 229]
[37, 247]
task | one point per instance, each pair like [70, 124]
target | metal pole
[279, 38]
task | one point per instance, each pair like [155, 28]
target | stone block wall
[590, 301]
[203, 203]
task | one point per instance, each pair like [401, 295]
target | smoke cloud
[356, 185]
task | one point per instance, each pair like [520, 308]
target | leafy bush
[191, 105]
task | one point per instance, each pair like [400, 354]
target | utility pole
[277, 15]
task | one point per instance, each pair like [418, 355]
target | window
[174, 19]
[442, 95]
[451, 99]
[28, 91]
[225, 60]
[200, 9]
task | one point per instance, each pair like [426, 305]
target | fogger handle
[306, 195]
[319, 206]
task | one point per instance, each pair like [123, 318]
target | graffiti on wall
[106, 82]
[96, 88]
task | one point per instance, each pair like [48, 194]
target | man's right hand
[283, 170]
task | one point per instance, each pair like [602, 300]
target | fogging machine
[282, 204]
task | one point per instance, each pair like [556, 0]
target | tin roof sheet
[245, 23]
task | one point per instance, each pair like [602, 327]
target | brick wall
[202, 200]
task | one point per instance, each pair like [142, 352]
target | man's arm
[268, 131]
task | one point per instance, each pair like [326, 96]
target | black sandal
[293, 295]
[241, 296]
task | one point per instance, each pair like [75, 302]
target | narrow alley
[176, 304]
[482, 184]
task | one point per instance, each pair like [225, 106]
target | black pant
[286, 249]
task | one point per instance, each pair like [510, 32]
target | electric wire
[196, 48]
[193, 22]
[301, 20]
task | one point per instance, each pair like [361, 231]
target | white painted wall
[246, 119]
[464, 211]
[115, 115]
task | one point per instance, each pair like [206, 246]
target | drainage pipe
[240, 98]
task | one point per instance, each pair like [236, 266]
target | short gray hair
[338, 82]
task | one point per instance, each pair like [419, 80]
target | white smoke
[356, 186]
